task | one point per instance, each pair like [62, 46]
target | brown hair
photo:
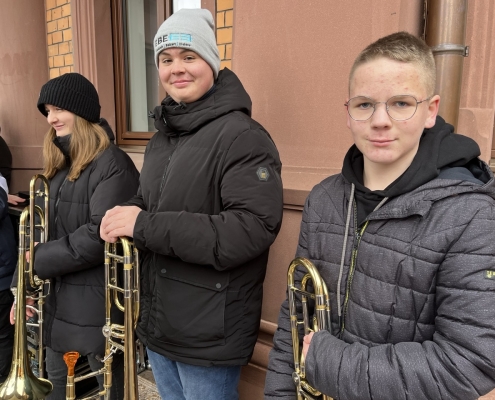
[87, 141]
[402, 47]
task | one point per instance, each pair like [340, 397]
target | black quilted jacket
[73, 257]
[8, 254]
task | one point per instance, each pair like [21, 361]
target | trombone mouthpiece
[70, 359]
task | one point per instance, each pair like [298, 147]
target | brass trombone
[118, 337]
[22, 382]
[320, 320]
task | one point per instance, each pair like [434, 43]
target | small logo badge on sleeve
[262, 173]
[489, 274]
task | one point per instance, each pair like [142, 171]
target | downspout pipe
[446, 22]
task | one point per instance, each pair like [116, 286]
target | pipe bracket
[450, 48]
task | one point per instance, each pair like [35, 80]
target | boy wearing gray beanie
[208, 209]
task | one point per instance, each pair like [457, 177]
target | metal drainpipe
[446, 35]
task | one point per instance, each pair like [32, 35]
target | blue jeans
[179, 381]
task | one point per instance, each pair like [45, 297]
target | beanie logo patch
[173, 40]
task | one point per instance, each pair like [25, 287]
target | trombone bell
[320, 320]
[22, 384]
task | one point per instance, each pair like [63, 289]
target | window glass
[178, 4]
[141, 73]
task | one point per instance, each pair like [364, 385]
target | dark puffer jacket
[211, 195]
[417, 302]
[8, 252]
[5, 160]
[73, 258]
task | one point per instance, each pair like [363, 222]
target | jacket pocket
[190, 305]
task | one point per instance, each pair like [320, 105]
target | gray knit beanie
[72, 92]
[191, 29]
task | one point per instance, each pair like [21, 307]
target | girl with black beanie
[88, 175]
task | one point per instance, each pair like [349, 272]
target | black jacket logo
[263, 174]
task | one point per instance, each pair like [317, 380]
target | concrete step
[147, 387]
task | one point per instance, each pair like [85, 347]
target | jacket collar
[176, 119]
[63, 143]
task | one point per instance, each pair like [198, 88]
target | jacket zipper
[162, 183]
[57, 288]
[56, 203]
[359, 234]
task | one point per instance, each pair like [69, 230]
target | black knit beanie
[72, 92]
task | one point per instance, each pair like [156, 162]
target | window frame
[124, 136]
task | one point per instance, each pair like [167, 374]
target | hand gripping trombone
[321, 320]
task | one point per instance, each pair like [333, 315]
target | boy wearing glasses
[404, 239]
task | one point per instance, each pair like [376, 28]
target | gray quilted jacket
[417, 304]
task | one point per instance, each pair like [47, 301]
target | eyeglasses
[399, 108]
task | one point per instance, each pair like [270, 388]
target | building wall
[477, 108]
[225, 28]
[23, 70]
[59, 37]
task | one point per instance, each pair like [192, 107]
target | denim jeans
[179, 381]
[57, 374]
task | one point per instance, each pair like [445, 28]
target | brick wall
[225, 26]
[59, 37]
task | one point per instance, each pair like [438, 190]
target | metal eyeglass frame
[346, 104]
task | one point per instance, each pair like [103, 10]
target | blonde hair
[87, 141]
[402, 47]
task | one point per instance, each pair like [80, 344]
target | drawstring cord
[344, 247]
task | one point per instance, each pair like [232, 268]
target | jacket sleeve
[279, 384]
[249, 222]
[136, 200]
[458, 363]
[82, 248]
[4, 207]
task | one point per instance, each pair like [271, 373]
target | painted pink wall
[294, 57]
[23, 70]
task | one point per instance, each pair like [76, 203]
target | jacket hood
[419, 200]
[439, 149]
[176, 119]
[108, 130]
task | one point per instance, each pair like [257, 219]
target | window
[137, 87]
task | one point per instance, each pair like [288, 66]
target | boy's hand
[29, 312]
[306, 343]
[28, 253]
[15, 200]
[117, 222]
